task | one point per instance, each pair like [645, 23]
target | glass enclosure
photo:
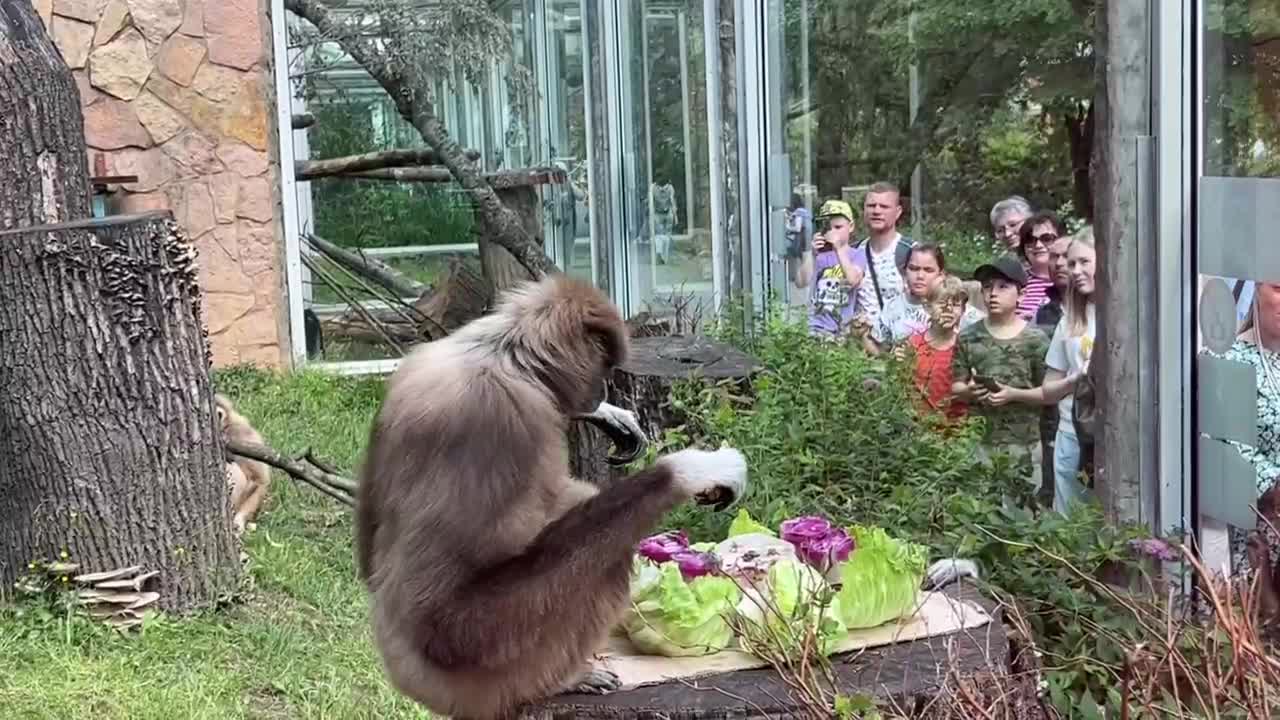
[1237, 255]
[698, 138]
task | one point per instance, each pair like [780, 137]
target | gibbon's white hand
[945, 572]
[624, 420]
[703, 472]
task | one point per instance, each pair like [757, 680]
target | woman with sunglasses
[1036, 236]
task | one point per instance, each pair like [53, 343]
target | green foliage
[831, 431]
[297, 644]
[379, 213]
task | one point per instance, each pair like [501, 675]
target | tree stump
[501, 267]
[906, 675]
[109, 446]
[643, 385]
[44, 169]
[461, 296]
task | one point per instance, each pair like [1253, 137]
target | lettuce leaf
[673, 617]
[881, 579]
[790, 603]
[744, 524]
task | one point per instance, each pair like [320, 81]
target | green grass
[296, 644]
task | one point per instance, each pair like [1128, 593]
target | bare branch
[312, 169]
[370, 268]
[336, 487]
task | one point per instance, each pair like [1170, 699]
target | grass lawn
[296, 645]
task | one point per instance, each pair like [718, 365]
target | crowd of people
[1010, 344]
[1013, 342]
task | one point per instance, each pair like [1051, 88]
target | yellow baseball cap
[832, 208]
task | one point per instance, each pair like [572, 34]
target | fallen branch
[333, 485]
[499, 180]
[353, 303]
[312, 169]
[369, 268]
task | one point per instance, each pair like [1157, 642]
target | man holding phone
[834, 270]
[1001, 352]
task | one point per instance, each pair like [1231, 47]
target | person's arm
[803, 269]
[853, 274]
[962, 385]
[1053, 383]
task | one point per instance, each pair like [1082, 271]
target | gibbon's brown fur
[494, 575]
[249, 485]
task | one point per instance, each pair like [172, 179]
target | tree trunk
[44, 169]
[643, 385]
[1080, 135]
[461, 296]
[500, 267]
[109, 447]
[1123, 116]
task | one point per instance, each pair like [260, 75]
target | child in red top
[934, 346]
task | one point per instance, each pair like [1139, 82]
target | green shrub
[832, 431]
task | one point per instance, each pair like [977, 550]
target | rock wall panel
[178, 92]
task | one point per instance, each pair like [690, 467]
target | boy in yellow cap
[835, 270]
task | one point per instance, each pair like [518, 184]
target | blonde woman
[1070, 350]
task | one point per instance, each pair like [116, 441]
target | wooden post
[1125, 441]
[109, 447]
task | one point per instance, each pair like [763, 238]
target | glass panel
[665, 161]
[1240, 137]
[566, 74]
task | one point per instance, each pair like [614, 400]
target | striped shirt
[1035, 294]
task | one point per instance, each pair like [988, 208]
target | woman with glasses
[1036, 236]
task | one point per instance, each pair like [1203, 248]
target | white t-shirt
[1070, 355]
[891, 284]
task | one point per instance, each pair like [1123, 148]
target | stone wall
[179, 93]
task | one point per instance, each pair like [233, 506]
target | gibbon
[248, 485]
[495, 576]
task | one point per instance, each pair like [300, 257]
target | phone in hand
[987, 382]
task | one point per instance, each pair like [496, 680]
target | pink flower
[661, 548]
[696, 564]
[825, 552]
[801, 530]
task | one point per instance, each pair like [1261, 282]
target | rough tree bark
[410, 88]
[44, 170]
[643, 385]
[1123, 116]
[109, 447]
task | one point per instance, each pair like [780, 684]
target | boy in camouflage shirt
[1003, 351]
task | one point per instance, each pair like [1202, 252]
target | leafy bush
[829, 430]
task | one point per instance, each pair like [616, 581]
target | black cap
[1005, 266]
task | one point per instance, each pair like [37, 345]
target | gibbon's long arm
[537, 600]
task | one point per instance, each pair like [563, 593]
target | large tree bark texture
[109, 447]
[643, 385]
[410, 88]
[1123, 117]
[44, 171]
[500, 266]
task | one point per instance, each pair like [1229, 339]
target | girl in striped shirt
[1036, 235]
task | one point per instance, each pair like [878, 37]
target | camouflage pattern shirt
[1017, 362]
